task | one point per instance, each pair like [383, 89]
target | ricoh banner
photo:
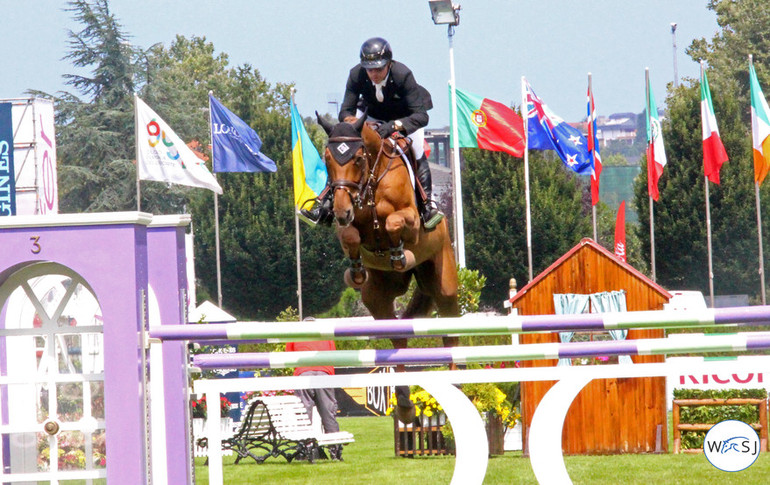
[754, 374]
[7, 173]
[35, 184]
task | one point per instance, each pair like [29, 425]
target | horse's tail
[419, 305]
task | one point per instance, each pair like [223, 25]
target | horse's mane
[371, 139]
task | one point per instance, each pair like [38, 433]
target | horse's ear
[324, 124]
[359, 124]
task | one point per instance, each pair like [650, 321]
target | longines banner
[7, 174]
[34, 152]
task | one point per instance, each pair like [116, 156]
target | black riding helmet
[375, 53]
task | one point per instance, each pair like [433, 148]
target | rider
[388, 92]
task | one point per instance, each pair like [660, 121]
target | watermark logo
[731, 446]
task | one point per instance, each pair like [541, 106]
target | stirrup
[316, 215]
[431, 216]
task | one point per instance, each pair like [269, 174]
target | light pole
[444, 13]
[673, 39]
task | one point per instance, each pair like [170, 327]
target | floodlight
[443, 12]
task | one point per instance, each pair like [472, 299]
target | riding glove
[386, 129]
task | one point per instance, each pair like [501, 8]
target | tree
[256, 213]
[680, 219]
[495, 221]
[93, 155]
[95, 131]
[743, 31]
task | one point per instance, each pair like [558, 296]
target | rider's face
[378, 75]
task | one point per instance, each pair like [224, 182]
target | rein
[366, 186]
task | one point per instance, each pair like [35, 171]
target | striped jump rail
[345, 329]
[677, 344]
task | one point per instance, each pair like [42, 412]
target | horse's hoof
[404, 406]
[405, 263]
[355, 279]
[405, 415]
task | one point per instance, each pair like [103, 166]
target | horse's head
[347, 164]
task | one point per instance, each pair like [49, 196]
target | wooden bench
[279, 426]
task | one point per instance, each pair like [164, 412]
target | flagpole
[216, 211]
[759, 224]
[708, 240]
[708, 219]
[525, 117]
[590, 120]
[652, 213]
[136, 151]
[759, 232]
[297, 243]
[458, 195]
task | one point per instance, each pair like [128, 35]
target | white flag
[164, 157]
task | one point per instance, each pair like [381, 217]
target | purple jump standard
[345, 329]
[678, 344]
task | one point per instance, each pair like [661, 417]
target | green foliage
[614, 159]
[495, 216]
[349, 305]
[719, 394]
[290, 314]
[470, 285]
[747, 413]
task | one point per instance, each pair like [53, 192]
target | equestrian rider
[388, 92]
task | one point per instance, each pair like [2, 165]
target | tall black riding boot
[429, 213]
[322, 210]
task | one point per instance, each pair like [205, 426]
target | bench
[279, 426]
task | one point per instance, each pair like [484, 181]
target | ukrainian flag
[309, 170]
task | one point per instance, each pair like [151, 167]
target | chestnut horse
[379, 229]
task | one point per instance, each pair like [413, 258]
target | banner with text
[7, 174]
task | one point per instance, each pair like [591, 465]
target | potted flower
[200, 407]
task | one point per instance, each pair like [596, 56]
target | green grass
[371, 460]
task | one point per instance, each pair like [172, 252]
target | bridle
[363, 190]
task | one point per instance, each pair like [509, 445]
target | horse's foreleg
[401, 226]
[350, 240]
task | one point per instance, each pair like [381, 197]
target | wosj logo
[731, 445]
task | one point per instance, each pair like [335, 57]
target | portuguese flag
[489, 125]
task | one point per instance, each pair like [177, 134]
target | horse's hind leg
[378, 294]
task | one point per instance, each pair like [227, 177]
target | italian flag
[760, 128]
[714, 154]
[656, 153]
[489, 125]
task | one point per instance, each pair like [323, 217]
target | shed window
[602, 302]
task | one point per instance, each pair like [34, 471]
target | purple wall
[110, 252]
[168, 280]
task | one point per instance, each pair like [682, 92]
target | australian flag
[235, 145]
[546, 131]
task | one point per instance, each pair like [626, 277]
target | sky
[314, 43]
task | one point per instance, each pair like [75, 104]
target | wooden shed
[609, 415]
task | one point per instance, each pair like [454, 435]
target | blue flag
[235, 146]
[546, 131]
